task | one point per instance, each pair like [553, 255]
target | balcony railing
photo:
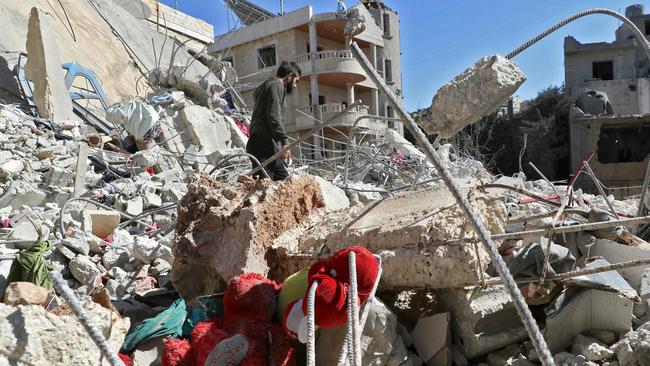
[337, 108]
[325, 55]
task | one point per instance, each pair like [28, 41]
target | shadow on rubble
[9, 92]
[17, 322]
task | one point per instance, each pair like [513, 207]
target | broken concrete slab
[207, 129]
[147, 250]
[43, 68]
[223, 235]
[432, 339]
[333, 196]
[475, 93]
[101, 223]
[83, 269]
[32, 336]
[380, 343]
[25, 293]
[573, 314]
[11, 168]
[483, 320]
[408, 230]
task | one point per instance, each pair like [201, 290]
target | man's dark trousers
[262, 148]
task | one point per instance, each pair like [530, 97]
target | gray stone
[633, 349]
[159, 267]
[25, 293]
[591, 348]
[503, 356]
[135, 206]
[65, 252]
[11, 168]
[43, 68]
[380, 343]
[477, 92]
[604, 336]
[333, 196]
[147, 250]
[457, 356]
[644, 293]
[83, 269]
[116, 256]
[79, 245]
[59, 177]
[32, 336]
[483, 320]
[51, 151]
[568, 359]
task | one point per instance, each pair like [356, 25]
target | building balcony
[328, 111]
[336, 67]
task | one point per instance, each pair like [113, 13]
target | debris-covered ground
[144, 205]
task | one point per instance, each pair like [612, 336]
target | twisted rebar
[66, 292]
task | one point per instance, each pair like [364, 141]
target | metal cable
[97, 337]
[520, 304]
[637, 33]
[311, 325]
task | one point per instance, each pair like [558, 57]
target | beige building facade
[332, 79]
[611, 117]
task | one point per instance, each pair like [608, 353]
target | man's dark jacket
[268, 114]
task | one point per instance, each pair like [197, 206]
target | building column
[374, 92]
[350, 89]
[315, 109]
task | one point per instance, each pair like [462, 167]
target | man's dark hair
[287, 67]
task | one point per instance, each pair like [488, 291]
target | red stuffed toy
[245, 336]
[330, 303]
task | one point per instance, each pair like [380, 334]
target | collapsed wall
[226, 229]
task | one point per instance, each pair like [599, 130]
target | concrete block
[101, 223]
[59, 177]
[247, 223]
[477, 92]
[43, 68]
[206, 129]
[588, 309]
[432, 339]
[83, 269]
[483, 320]
[11, 168]
[334, 197]
[25, 293]
[135, 206]
[590, 348]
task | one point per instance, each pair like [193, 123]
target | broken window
[603, 70]
[386, 24]
[647, 27]
[623, 144]
[266, 57]
[388, 70]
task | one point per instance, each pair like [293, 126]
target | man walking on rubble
[268, 135]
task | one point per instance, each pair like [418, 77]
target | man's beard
[289, 87]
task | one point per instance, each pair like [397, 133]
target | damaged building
[332, 79]
[611, 85]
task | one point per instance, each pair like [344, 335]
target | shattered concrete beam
[43, 68]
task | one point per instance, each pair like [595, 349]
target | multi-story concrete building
[611, 82]
[332, 79]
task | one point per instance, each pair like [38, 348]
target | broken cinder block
[101, 223]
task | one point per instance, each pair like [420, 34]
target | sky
[441, 38]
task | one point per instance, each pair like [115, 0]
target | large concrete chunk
[206, 129]
[43, 68]
[408, 231]
[31, 336]
[483, 320]
[477, 92]
[226, 229]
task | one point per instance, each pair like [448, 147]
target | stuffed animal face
[250, 296]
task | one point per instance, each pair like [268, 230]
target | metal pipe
[577, 273]
[230, 157]
[351, 134]
[303, 137]
[568, 229]
[637, 33]
[520, 191]
[600, 189]
[644, 191]
[520, 303]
